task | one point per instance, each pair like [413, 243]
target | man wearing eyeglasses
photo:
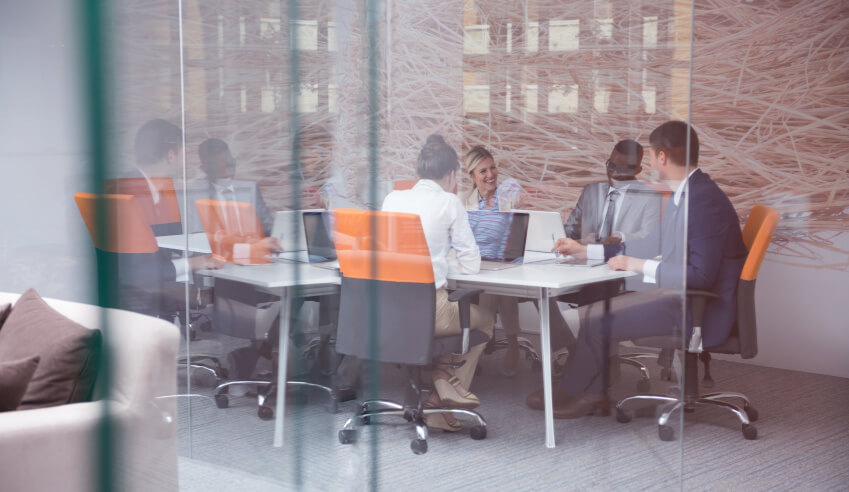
[620, 208]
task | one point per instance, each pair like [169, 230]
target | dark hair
[209, 149]
[436, 159]
[671, 138]
[155, 139]
[633, 150]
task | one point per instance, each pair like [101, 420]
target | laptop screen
[500, 235]
[318, 233]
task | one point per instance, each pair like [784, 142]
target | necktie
[607, 225]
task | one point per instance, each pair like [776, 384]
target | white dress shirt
[444, 222]
[650, 266]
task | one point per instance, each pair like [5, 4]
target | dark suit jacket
[714, 251]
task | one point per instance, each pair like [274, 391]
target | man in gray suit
[219, 166]
[620, 208]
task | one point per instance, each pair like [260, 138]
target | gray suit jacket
[639, 211]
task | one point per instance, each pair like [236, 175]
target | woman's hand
[567, 246]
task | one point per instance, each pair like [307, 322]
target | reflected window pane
[305, 34]
[563, 35]
[532, 37]
[563, 99]
[476, 39]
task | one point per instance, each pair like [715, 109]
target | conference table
[539, 281]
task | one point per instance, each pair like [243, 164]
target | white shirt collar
[677, 196]
[154, 193]
[428, 183]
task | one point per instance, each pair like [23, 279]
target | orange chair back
[385, 246]
[167, 211]
[757, 235]
[404, 184]
[125, 229]
[228, 224]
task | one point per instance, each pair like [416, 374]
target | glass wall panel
[271, 219]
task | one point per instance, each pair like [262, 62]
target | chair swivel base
[266, 390]
[633, 360]
[370, 409]
[206, 363]
[525, 346]
[746, 413]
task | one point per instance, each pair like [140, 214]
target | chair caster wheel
[265, 413]
[622, 416]
[221, 401]
[477, 432]
[643, 385]
[750, 432]
[419, 446]
[752, 413]
[665, 433]
[347, 436]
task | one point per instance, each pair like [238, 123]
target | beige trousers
[448, 323]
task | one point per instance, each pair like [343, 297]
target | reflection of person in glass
[446, 228]
[237, 228]
[148, 281]
[491, 191]
[219, 165]
[701, 248]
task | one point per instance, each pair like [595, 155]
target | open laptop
[318, 235]
[285, 222]
[500, 236]
[544, 228]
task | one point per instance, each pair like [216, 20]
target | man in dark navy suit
[705, 252]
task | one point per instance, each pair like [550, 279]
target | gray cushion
[14, 379]
[68, 352]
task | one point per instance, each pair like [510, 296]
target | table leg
[282, 365]
[545, 339]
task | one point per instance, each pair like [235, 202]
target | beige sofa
[62, 447]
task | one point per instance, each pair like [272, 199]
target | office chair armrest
[465, 298]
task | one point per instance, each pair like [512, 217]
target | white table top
[541, 275]
[276, 275]
[198, 243]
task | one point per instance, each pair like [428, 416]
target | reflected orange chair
[742, 340]
[388, 310]
[234, 232]
[404, 184]
[163, 217]
[125, 231]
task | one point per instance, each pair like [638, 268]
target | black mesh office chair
[387, 313]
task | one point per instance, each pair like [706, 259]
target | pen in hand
[554, 240]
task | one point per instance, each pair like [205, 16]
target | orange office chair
[387, 312]
[404, 184]
[742, 341]
[164, 216]
[125, 243]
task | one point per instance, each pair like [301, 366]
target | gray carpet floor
[803, 442]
